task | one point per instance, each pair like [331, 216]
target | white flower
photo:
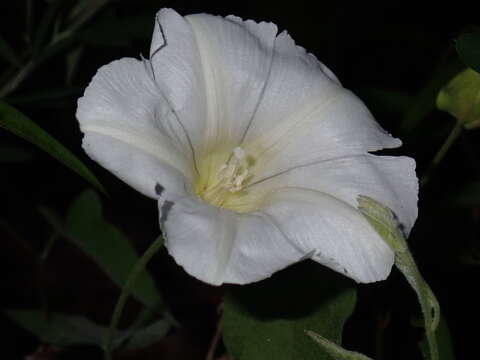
[254, 150]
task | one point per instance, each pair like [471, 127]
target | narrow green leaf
[7, 53]
[41, 34]
[62, 43]
[468, 47]
[127, 287]
[57, 329]
[107, 246]
[72, 63]
[17, 123]
[83, 11]
[268, 320]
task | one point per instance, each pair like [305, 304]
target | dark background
[387, 53]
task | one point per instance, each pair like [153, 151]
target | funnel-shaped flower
[254, 150]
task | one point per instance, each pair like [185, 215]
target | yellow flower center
[222, 183]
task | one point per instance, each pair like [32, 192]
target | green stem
[132, 276]
[449, 141]
[46, 251]
[334, 350]
[385, 223]
[428, 302]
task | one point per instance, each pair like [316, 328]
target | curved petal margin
[220, 246]
[332, 232]
[124, 118]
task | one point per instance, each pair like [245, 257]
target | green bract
[461, 98]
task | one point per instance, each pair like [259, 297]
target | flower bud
[461, 98]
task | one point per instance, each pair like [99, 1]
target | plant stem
[132, 276]
[216, 336]
[449, 141]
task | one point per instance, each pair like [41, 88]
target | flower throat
[222, 183]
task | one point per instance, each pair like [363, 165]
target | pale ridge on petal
[152, 143]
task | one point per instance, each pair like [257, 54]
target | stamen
[230, 178]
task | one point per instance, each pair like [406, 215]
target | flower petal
[250, 85]
[335, 127]
[390, 180]
[120, 108]
[333, 232]
[219, 246]
[236, 57]
[139, 169]
[304, 107]
[176, 67]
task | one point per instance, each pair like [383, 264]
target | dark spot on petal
[159, 189]
[165, 210]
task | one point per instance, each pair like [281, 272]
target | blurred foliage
[396, 59]
[85, 227]
[67, 330]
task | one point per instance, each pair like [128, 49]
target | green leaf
[17, 123]
[149, 335]
[468, 47]
[461, 98]
[13, 154]
[7, 53]
[66, 330]
[268, 320]
[57, 329]
[107, 246]
[444, 340]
